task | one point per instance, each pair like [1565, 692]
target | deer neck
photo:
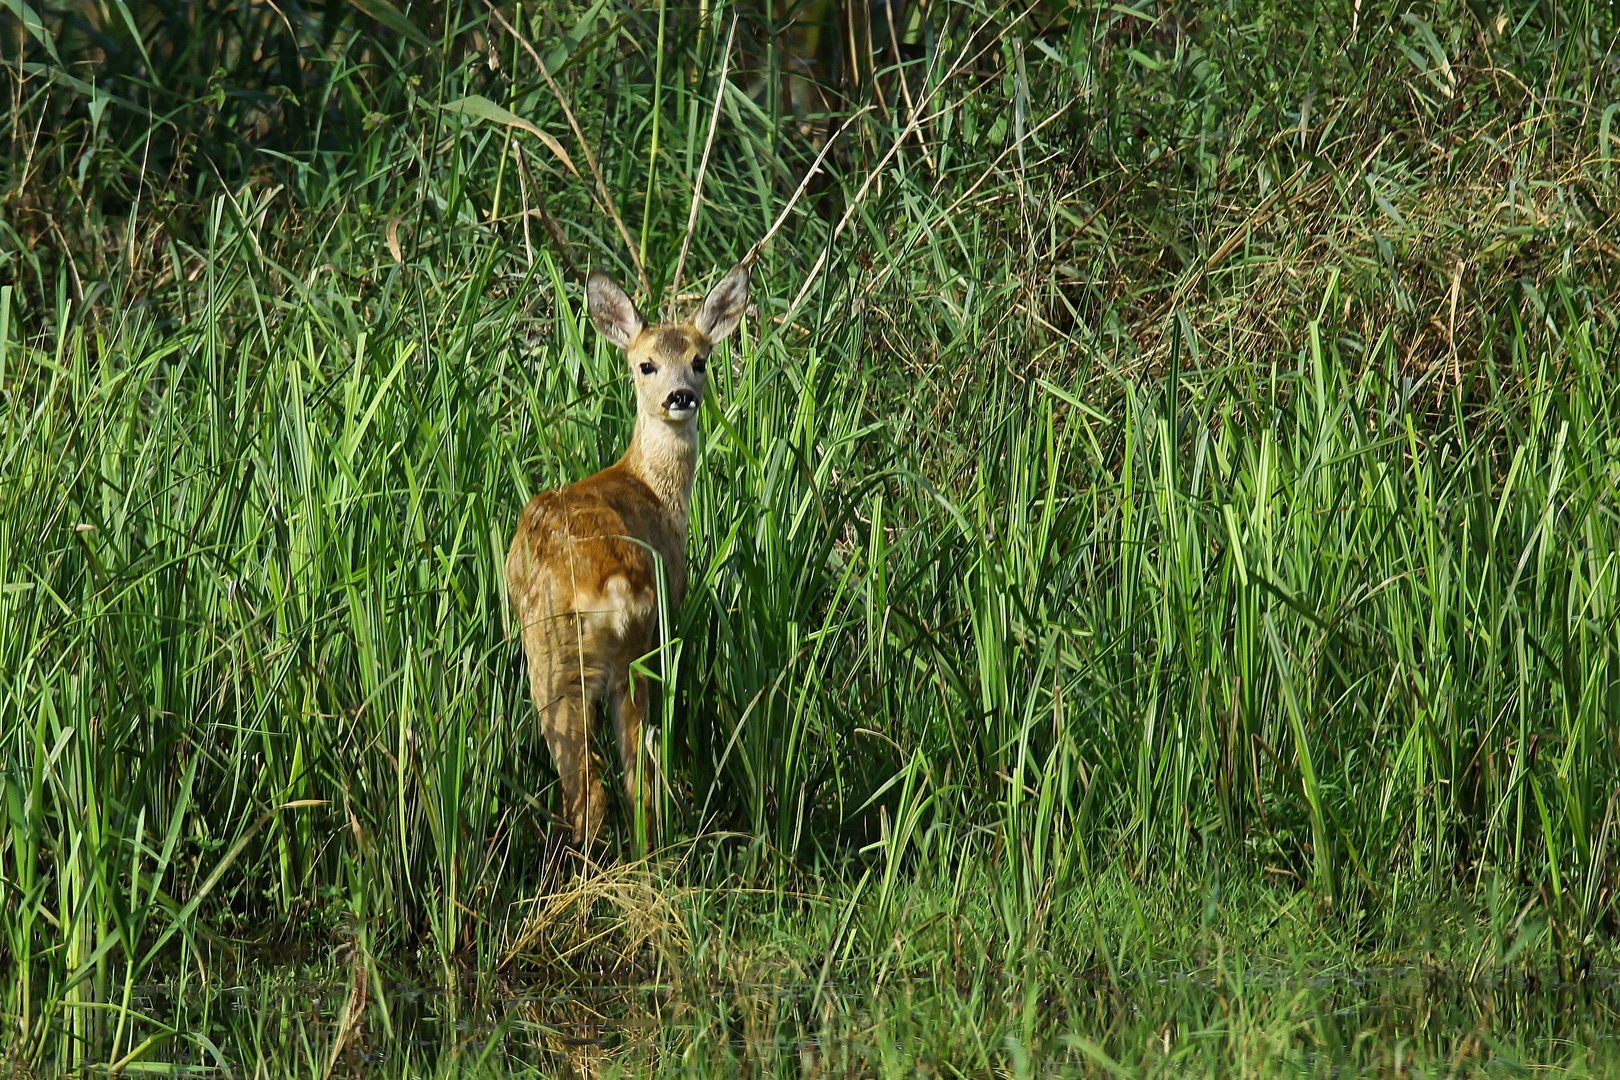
[663, 456]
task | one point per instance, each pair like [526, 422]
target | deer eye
[700, 365]
[649, 369]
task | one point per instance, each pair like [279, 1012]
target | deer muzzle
[681, 404]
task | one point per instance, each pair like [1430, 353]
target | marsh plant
[1162, 500]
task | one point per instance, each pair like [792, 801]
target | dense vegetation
[1166, 495]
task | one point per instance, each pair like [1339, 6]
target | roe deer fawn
[581, 572]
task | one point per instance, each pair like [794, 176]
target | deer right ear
[613, 312]
[724, 305]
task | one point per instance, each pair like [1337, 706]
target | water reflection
[367, 1020]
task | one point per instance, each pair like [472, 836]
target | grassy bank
[1164, 501]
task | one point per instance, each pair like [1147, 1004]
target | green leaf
[584, 27]
[36, 28]
[1442, 63]
[1144, 59]
[393, 18]
[1384, 204]
[479, 107]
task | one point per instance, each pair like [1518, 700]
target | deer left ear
[614, 313]
[724, 305]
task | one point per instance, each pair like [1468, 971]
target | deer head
[669, 364]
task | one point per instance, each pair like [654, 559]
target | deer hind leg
[629, 704]
[564, 703]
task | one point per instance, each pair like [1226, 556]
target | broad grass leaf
[480, 107]
[393, 18]
[31, 22]
[1442, 64]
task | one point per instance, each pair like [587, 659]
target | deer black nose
[681, 400]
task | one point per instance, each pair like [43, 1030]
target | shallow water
[1231, 1021]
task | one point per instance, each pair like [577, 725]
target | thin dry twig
[523, 189]
[559, 240]
[605, 200]
[905, 87]
[860, 196]
[815, 167]
[1451, 325]
[703, 168]
[1260, 216]
[915, 124]
[354, 1014]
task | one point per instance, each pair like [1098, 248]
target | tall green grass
[1155, 474]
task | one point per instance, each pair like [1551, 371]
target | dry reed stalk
[703, 168]
[603, 198]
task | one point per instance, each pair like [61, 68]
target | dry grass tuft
[602, 918]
